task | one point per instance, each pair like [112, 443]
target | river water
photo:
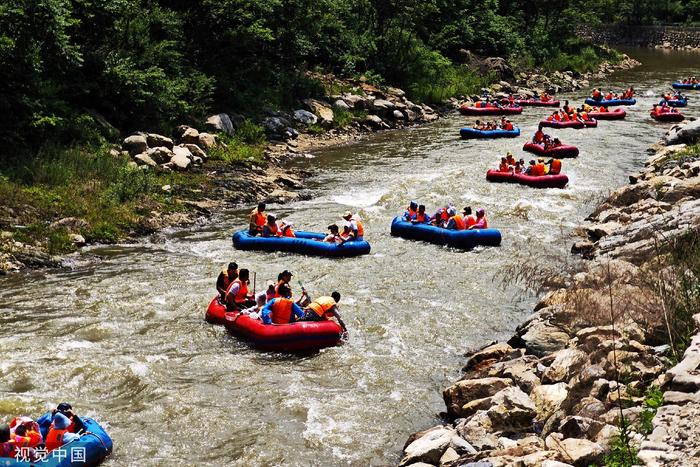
[125, 341]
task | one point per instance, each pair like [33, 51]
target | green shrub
[342, 117]
[250, 133]
[59, 242]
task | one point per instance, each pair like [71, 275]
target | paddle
[303, 291]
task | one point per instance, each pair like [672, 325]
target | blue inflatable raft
[675, 102]
[611, 102]
[685, 86]
[472, 133]
[91, 449]
[464, 239]
[306, 243]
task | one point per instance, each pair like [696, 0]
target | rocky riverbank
[583, 377]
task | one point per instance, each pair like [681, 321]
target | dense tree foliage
[86, 68]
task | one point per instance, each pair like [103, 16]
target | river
[124, 339]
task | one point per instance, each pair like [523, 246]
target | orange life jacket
[31, 439]
[274, 229]
[556, 167]
[288, 232]
[242, 294]
[508, 127]
[503, 167]
[596, 94]
[609, 97]
[470, 220]
[322, 305]
[459, 222]
[477, 104]
[281, 311]
[360, 229]
[538, 170]
[54, 439]
[422, 217]
[584, 115]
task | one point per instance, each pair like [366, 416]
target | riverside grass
[91, 184]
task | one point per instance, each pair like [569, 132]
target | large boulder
[512, 410]
[160, 154]
[322, 110]
[221, 122]
[155, 140]
[487, 356]
[579, 452]
[478, 431]
[498, 66]
[144, 159]
[548, 398]
[374, 122]
[465, 391]
[206, 141]
[429, 448]
[196, 151]
[566, 364]
[275, 125]
[182, 158]
[305, 117]
[688, 133]
[190, 136]
[135, 144]
[539, 337]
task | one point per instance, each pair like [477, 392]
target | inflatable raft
[667, 116]
[463, 239]
[675, 102]
[611, 102]
[592, 123]
[562, 125]
[685, 86]
[295, 337]
[93, 447]
[559, 152]
[532, 103]
[544, 181]
[215, 312]
[509, 110]
[473, 133]
[307, 243]
[617, 114]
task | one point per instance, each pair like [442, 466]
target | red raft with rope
[558, 152]
[544, 181]
[295, 337]
[491, 110]
[667, 116]
[617, 114]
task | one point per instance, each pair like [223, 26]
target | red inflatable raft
[544, 181]
[591, 123]
[667, 116]
[295, 337]
[559, 152]
[532, 103]
[511, 110]
[561, 125]
[215, 312]
[617, 114]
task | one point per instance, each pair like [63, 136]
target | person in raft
[324, 308]
[334, 235]
[554, 166]
[465, 221]
[410, 212]
[281, 310]
[357, 230]
[226, 276]
[257, 220]
[421, 216]
[237, 296]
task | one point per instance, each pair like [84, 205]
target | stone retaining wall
[677, 37]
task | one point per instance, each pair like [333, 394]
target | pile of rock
[661, 204]
[547, 397]
[150, 150]
[373, 109]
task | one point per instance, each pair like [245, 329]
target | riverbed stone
[548, 398]
[478, 431]
[321, 110]
[540, 338]
[580, 452]
[160, 154]
[144, 159]
[196, 151]
[487, 356]
[206, 141]
[512, 410]
[221, 122]
[567, 362]
[190, 136]
[180, 160]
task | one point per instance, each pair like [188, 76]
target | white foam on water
[395, 395]
[359, 199]
[73, 345]
[139, 368]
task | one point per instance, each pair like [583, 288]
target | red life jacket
[555, 168]
[470, 220]
[242, 294]
[422, 217]
[281, 311]
[54, 439]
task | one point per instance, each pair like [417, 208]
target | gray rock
[382, 106]
[478, 431]
[398, 115]
[182, 151]
[513, 410]
[221, 122]
[196, 151]
[580, 452]
[465, 391]
[155, 140]
[341, 104]
[540, 338]
[135, 144]
[375, 122]
[548, 398]
[305, 117]
[77, 239]
[145, 159]
[275, 125]
[182, 158]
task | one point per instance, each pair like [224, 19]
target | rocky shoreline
[366, 109]
[591, 353]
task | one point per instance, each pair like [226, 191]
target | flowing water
[124, 340]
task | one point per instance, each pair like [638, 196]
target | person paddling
[324, 308]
